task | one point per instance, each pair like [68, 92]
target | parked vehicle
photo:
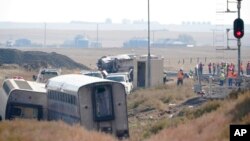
[97, 104]
[122, 78]
[23, 99]
[45, 74]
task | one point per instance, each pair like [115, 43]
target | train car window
[24, 112]
[16, 111]
[62, 97]
[67, 98]
[102, 103]
[73, 100]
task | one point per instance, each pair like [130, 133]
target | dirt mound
[37, 59]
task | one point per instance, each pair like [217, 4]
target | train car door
[103, 109]
[141, 74]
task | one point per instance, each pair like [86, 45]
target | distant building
[137, 42]
[168, 43]
[181, 41]
[22, 42]
[9, 43]
[81, 41]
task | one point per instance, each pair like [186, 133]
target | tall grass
[193, 113]
[30, 130]
[213, 126]
[159, 98]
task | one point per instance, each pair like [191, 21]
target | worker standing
[214, 68]
[241, 69]
[210, 68]
[230, 76]
[222, 78]
[200, 69]
[248, 68]
[191, 73]
[180, 76]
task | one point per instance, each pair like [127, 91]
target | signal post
[239, 33]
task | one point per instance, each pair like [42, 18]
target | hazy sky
[163, 11]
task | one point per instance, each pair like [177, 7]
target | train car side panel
[120, 110]
[86, 108]
[3, 103]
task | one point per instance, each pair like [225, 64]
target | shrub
[198, 112]
[241, 110]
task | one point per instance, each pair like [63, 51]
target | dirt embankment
[37, 59]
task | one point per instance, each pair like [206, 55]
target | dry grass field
[174, 58]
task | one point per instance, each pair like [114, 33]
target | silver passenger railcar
[97, 104]
[23, 99]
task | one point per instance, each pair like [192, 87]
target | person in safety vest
[241, 69]
[180, 76]
[230, 77]
[248, 68]
[222, 78]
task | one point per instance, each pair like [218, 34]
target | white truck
[122, 78]
[45, 74]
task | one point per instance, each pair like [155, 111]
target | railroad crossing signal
[238, 28]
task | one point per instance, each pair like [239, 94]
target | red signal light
[238, 28]
[239, 33]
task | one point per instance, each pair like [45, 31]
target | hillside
[37, 59]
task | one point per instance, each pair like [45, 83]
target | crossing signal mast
[239, 33]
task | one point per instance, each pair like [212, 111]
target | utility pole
[239, 43]
[228, 29]
[149, 57]
[97, 35]
[45, 30]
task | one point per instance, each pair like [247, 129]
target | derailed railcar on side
[23, 99]
[97, 104]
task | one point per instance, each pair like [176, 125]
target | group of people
[223, 70]
[228, 71]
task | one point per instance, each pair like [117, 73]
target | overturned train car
[23, 99]
[97, 104]
[113, 64]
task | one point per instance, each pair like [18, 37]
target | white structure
[140, 78]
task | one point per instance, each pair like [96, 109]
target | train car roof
[22, 84]
[72, 82]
